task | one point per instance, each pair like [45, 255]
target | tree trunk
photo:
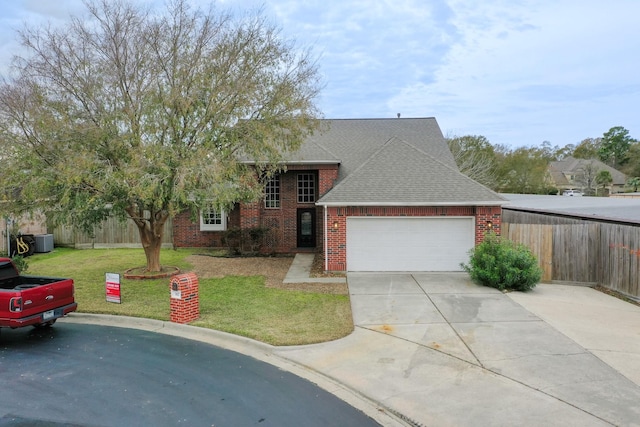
[152, 252]
[151, 232]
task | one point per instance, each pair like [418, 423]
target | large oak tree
[141, 115]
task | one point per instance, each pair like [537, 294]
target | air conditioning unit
[44, 242]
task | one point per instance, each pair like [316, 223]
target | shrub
[243, 241]
[503, 264]
[21, 263]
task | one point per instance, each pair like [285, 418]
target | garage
[409, 243]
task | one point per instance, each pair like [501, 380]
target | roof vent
[398, 115]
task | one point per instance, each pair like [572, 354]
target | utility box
[185, 304]
[44, 242]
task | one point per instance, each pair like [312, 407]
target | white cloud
[516, 71]
[548, 69]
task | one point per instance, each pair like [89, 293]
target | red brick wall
[187, 234]
[282, 221]
[336, 252]
[488, 218]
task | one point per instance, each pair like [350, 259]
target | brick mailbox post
[185, 304]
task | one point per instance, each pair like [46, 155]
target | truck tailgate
[41, 298]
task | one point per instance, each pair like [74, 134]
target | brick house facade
[358, 168]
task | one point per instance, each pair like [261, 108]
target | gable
[400, 174]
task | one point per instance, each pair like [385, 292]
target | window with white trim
[272, 193]
[306, 188]
[212, 220]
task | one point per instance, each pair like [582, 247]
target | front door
[306, 228]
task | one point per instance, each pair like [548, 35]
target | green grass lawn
[241, 305]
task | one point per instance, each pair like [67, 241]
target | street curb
[248, 347]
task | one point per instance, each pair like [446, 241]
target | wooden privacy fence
[111, 234]
[577, 250]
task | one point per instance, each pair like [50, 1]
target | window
[211, 220]
[272, 193]
[306, 188]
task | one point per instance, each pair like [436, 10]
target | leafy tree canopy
[524, 170]
[588, 149]
[615, 146]
[144, 115]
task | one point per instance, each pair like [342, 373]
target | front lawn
[241, 305]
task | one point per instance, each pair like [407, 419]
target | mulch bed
[274, 269]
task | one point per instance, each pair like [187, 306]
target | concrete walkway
[300, 271]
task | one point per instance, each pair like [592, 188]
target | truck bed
[26, 282]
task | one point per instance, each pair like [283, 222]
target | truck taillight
[15, 304]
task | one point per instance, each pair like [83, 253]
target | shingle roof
[353, 141]
[311, 152]
[401, 174]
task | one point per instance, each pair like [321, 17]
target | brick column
[185, 304]
[488, 218]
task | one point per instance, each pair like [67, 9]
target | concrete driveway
[436, 349]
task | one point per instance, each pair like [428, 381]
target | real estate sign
[113, 288]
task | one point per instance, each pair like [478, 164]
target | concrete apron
[437, 349]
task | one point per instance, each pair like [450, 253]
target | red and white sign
[113, 288]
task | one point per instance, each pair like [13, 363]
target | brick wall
[187, 234]
[488, 218]
[281, 221]
[337, 223]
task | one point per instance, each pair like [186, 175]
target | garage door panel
[408, 244]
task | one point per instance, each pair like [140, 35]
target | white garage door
[408, 243]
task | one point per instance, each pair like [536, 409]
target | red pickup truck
[32, 300]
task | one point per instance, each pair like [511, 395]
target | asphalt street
[88, 375]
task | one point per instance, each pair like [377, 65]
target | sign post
[113, 288]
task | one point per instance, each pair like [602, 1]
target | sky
[518, 72]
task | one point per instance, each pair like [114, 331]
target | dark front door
[306, 228]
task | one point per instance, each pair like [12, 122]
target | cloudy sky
[518, 72]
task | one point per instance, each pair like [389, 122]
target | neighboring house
[580, 174]
[371, 195]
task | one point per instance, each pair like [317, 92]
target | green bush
[503, 264]
[21, 263]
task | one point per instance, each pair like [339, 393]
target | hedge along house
[371, 195]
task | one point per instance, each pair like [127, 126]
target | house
[580, 174]
[371, 195]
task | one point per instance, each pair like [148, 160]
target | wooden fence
[111, 234]
[579, 250]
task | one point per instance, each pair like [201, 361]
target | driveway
[437, 349]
